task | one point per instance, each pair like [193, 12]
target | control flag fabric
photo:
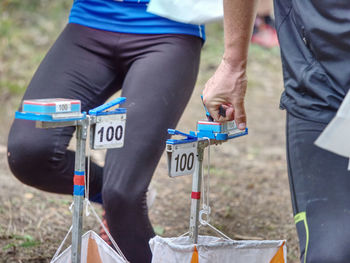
[213, 249]
[93, 250]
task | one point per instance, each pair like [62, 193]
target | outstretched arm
[228, 85]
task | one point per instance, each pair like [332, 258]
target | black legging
[156, 73]
[320, 189]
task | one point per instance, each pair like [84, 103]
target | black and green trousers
[320, 190]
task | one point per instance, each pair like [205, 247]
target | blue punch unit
[218, 131]
[51, 110]
[51, 106]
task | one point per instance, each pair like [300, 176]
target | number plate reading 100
[109, 134]
[63, 106]
[183, 159]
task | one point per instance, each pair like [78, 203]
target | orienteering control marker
[181, 162]
[107, 131]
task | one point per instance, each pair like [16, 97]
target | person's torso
[128, 16]
[314, 37]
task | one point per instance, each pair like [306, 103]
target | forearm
[239, 17]
[226, 88]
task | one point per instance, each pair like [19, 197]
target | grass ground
[249, 188]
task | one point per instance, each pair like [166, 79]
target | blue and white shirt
[128, 16]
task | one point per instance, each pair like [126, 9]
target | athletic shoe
[264, 33]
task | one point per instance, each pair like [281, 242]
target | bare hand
[227, 88]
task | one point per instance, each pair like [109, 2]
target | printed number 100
[184, 162]
[111, 133]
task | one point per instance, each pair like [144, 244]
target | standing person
[107, 46]
[314, 37]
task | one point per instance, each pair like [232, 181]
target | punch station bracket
[185, 157]
[107, 130]
[109, 126]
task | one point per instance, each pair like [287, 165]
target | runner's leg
[158, 85]
[78, 66]
[320, 185]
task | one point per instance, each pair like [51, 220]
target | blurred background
[249, 190]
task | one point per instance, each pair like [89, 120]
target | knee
[27, 157]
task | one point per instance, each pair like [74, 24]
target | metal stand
[180, 157]
[196, 195]
[79, 176]
[179, 153]
[196, 188]
[81, 134]
[79, 180]
[46, 116]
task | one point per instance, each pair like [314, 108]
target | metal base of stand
[196, 188]
[79, 196]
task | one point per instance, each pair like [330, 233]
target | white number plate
[63, 106]
[109, 134]
[183, 159]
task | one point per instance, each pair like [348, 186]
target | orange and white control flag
[279, 256]
[194, 258]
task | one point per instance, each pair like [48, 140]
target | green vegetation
[27, 29]
[159, 230]
[24, 241]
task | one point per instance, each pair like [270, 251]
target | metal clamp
[205, 211]
[188, 137]
[100, 110]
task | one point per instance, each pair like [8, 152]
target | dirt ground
[249, 191]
